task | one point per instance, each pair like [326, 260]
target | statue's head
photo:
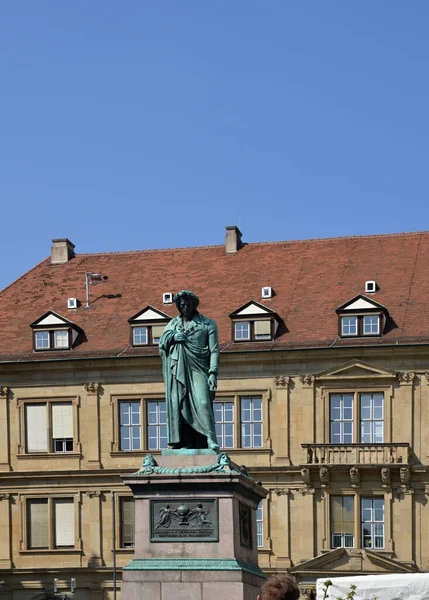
[187, 302]
[149, 461]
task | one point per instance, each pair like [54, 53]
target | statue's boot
[212, 444]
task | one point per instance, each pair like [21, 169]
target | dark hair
[280, 587]
[191, 295]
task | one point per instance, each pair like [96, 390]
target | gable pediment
[149, 314]
[253, 309]
[51, 319]
[353, 561]
[356, 369]
[361, 303]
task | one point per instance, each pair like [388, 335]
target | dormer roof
[52, 319]
[362, 304]
[253, 309]
[149, 314]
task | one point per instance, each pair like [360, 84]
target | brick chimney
[232, 239]
[62, 250]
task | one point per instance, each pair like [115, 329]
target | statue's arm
[213, 348]
[167, 338]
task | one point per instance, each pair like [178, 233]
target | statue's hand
[179, 336]
[212, 382]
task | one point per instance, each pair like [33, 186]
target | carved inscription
[184, 520]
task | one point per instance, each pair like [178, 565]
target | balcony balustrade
[356, 454]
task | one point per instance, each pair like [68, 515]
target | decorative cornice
[282, 381]
[306, 491]
[406, 377]
[4, 390]
[427, 375]
[4, 497]
[93, 493]
[91, 388]
[307, 379]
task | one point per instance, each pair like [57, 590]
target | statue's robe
[186, 368]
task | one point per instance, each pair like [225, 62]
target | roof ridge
[304, 240]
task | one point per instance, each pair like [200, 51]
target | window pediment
[361, 303]
[355, 370]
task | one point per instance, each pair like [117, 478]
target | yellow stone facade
[297, 463]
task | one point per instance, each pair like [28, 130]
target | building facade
[323, 393]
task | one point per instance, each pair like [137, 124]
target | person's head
[186, 302]
[280, 587]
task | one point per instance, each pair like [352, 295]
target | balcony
[356, 454]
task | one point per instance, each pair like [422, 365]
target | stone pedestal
[195, 529]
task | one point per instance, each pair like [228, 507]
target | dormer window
[253, 322]
[147, 326]
[361, 317]
[53, 332]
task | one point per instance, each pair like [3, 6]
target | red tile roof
[310, 278]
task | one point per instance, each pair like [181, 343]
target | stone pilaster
[92, 531]
[4, 429]
[92, 419]
[5, 528]
[283, 383]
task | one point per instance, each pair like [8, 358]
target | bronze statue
[190, 357]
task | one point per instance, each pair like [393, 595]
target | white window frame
[357, 420]
[260, 525]
[342, 421]
[343, 326]
[372, 524]
[160, 422]
[373, 421]
[364, 323]
[241, 337]
[222, 423]
[136, 330]
[253, 422]
[42, 346]
[129, 426]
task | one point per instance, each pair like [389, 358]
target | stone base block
[237, 584]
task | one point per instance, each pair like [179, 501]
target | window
[253, 330]
[372, 517]
[50, 523]
[52, 340]
[342, 521]
[360, 325]
[239, 421]
[156, 424]
[242, 330]
[132, 415]
[260, 526]
[49, 417]
[140, 336]
[147, 335]
[341, 419]
[370, 417]
[127, 522]
[224, 419]
[130, 425]
[251, 422]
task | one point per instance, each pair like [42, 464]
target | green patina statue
[190, 357]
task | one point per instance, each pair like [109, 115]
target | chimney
[232, 239]
[62, 250]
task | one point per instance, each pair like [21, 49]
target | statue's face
[186, 307]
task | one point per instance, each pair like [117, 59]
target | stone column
[92, 418]
[4, 429]
[92, 528]
[5, 524]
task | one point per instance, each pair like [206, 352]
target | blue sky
[149, 124]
